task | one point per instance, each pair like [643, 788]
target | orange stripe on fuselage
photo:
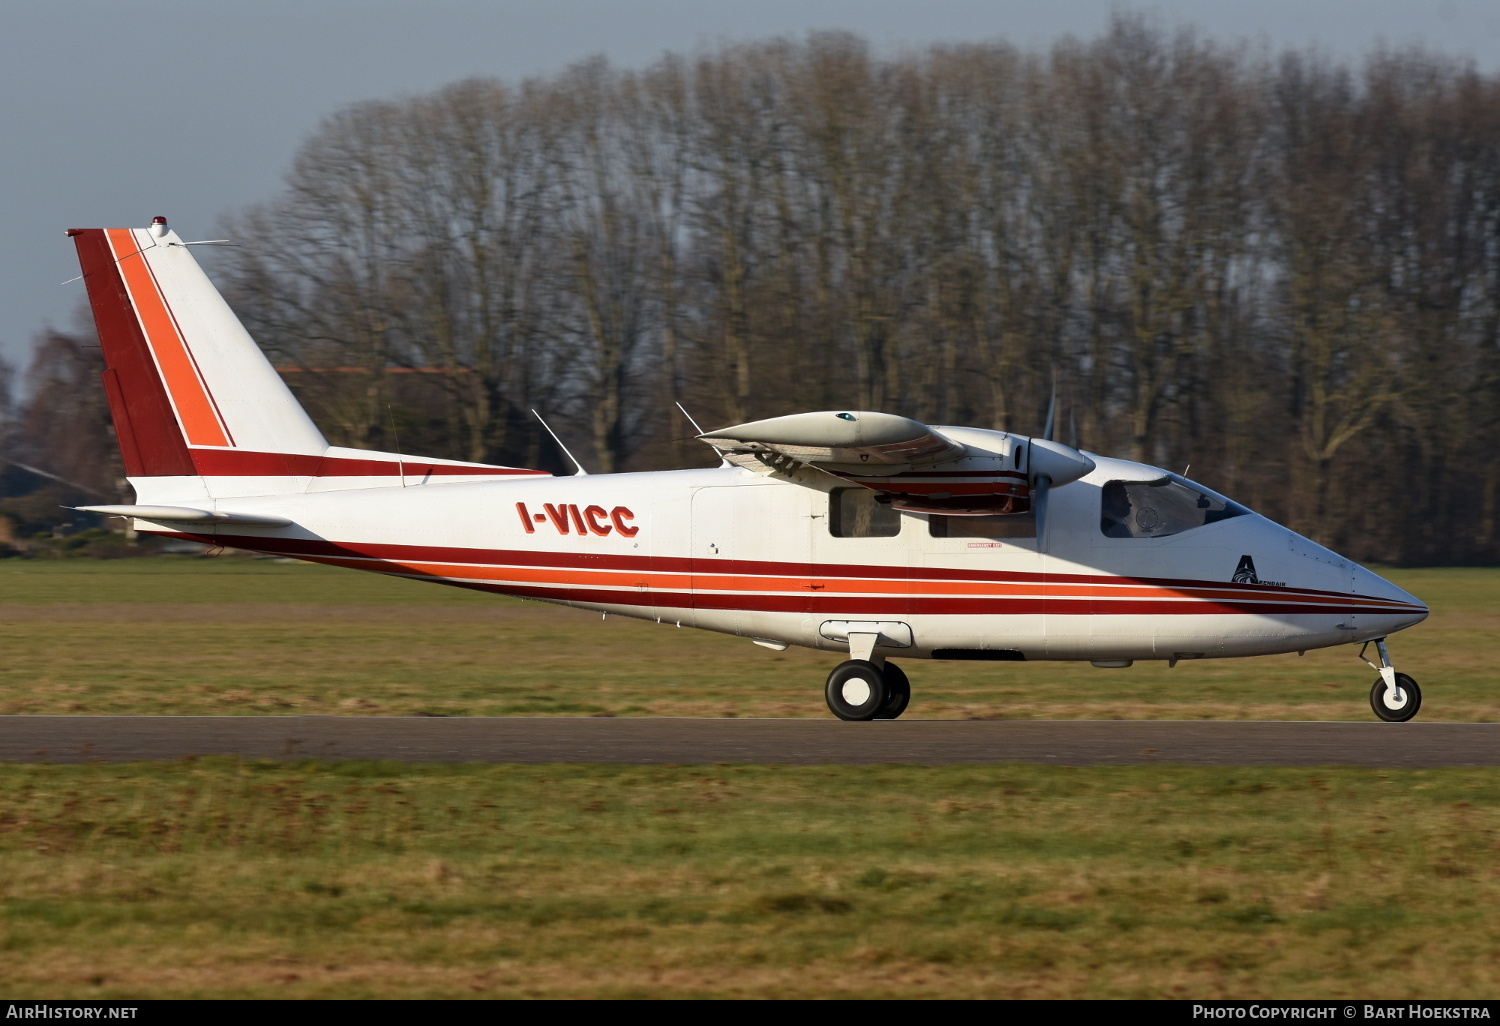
[781, 584]
[526, 573]
[195, 410]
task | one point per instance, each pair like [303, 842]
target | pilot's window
[1155, 509]
[1013, 525]
[854, 513]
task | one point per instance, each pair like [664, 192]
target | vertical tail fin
[189, 390]
[198, 408]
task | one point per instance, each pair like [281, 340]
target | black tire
[898, 692]
[855, 690]
[1407, 710]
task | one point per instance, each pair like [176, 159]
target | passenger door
[751, 555]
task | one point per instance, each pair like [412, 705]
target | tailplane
[198, 409]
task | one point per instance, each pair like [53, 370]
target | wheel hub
[856, 692]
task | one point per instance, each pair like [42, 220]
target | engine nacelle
[1059, 464]
[917, 468]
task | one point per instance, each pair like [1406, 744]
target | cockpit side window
[1156, 509]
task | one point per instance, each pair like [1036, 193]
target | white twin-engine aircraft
[866, 534]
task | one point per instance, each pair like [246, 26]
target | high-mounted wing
[915, 467]
[855, 438]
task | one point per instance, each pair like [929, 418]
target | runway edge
[646, 741]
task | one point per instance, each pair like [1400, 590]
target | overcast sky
[113, 111]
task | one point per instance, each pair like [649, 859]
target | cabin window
[1156, 509]
[854, 513]
[1013, 525]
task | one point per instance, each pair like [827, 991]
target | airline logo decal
[1245, 574]
[568, 518]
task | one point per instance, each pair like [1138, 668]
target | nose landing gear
[859, 689]
[1395, 697]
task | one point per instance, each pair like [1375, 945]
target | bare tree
[1278, 267]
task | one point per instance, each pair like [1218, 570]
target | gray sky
[113, 111]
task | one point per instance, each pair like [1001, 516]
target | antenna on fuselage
[564, 448]
[723, 461]
[689, 417]
[396, 437]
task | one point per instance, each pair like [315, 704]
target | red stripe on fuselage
[778, 586]
[863, 605]
[703, 582]
[684, 564]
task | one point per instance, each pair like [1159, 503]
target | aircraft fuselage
[761, 556]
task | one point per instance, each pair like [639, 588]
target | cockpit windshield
[1156, 509]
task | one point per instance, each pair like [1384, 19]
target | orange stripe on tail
[195, 410]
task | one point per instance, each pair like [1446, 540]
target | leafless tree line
[1280, 269]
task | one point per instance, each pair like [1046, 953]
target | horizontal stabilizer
[184, 515]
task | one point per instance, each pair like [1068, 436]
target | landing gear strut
[1395, 697]
[858, 689]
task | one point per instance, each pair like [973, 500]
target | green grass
[220, 878]
[203, 636]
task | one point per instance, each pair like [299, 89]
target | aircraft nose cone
[1383, 601]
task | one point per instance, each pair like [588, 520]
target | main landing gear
[860, 689]
[1395, 697]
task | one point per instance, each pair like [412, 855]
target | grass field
[201, 636]
[219, 878]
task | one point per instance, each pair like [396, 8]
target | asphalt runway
[74, 739]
